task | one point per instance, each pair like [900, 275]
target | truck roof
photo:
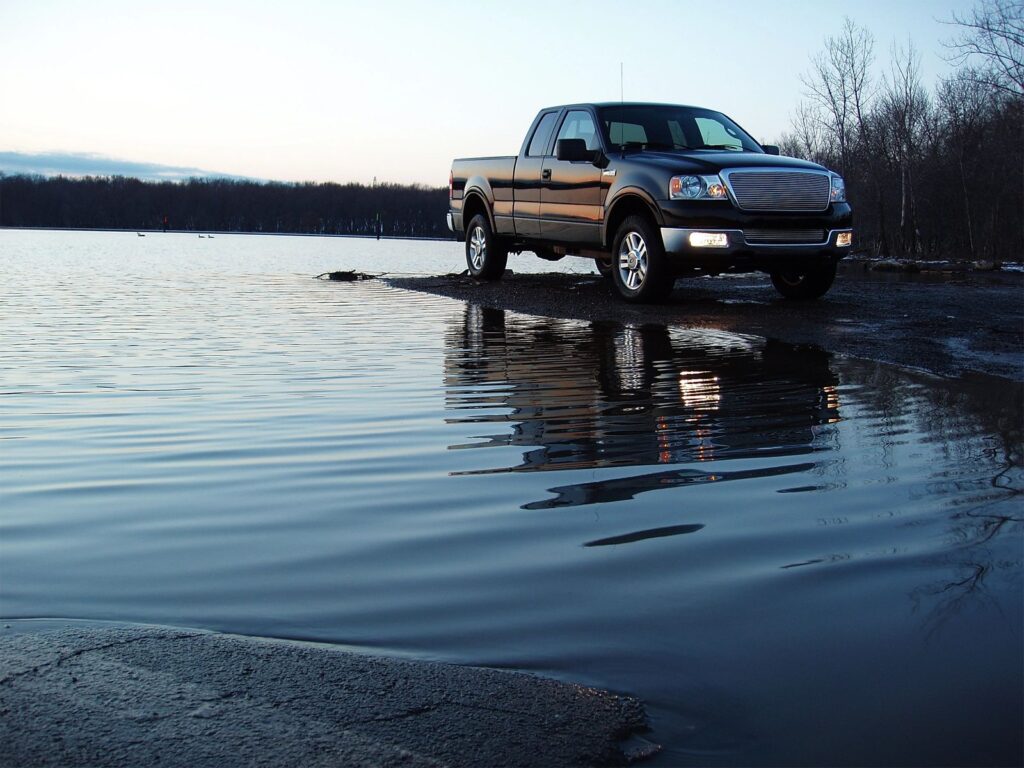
[619, 104]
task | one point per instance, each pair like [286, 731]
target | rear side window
[539, 142]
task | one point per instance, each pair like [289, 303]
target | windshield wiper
[642, 145]
[735, 147]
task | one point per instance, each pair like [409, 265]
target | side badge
[609, 172]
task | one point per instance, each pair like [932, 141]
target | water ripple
[197, 433]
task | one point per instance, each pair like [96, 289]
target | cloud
[89, 164]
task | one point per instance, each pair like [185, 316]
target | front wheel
[805, 283]
[604, 265]
[639, 265]
[485, 256]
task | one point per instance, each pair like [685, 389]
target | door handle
[545, 175]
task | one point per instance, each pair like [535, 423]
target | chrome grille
[784, 236]
[757, 190]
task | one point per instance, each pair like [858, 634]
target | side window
[580, 125]
[539, 142]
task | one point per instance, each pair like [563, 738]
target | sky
[318, 90]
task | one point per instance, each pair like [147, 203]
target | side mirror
[770, 149]
[573, 150]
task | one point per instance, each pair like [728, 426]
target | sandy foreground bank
[85, 693]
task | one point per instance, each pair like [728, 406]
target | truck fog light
[709, 240]
[844, 239]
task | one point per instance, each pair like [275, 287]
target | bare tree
[904, 112]
[807, 132]
[962, 113]
[993, 31]
[806, 139]
[948, 164]
[839, 84]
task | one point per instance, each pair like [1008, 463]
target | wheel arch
[476, 201]
[630, 202]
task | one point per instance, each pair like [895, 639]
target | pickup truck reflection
[578, 395]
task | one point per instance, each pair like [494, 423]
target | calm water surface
[791, 557]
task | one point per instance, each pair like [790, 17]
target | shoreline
[966, 324]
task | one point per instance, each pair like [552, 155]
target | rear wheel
[604, 265]
[485, 256]
[805, 283]
[639, 265]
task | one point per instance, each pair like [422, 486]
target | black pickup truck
[652, 192]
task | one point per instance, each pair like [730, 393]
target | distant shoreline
[225, 232]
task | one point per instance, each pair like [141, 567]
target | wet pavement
[86, 693]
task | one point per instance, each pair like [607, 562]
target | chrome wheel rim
[477, 248]
[633, 261]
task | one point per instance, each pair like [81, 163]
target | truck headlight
[838, 193]
[685, 187]
[696, 188]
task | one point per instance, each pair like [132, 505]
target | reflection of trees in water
[977, 558]
[976, 425]
[576, 395]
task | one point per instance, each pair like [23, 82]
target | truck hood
[712, 161]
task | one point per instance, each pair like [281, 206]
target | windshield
[673, 128]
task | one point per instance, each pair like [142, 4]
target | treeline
[930, 172]
[933, 173]
[223, 205]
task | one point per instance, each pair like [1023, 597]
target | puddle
[789, 556]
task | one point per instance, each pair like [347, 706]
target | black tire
[639, 265]
[604, 266]
[486, 257]
[803, 284]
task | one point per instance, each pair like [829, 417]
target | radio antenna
[621, 125]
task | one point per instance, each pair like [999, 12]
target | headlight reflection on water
[699, 390]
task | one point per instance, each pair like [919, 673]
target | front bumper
[677, 243]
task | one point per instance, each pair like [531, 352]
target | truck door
[570, 193]
[526, 185]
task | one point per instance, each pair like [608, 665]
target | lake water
[791, 557]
